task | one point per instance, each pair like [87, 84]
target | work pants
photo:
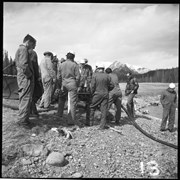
[71, 88]
[130, 104]
[102, 100]
[25, 90]
[46, 97]
[168, 113]
[116, 99]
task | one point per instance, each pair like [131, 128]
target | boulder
[77, 175]
[55, 159]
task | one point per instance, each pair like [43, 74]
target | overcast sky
[139, 34]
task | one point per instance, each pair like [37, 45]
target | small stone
[77, 175]
[26, 161]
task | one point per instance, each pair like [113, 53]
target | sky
[145, 35]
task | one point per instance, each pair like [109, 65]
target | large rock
[32, 149]
[55, 159]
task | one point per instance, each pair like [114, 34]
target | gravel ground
[91, 153]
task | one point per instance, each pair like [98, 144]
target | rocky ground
[44, 152]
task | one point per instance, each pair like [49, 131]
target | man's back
[69, 70]
[101, 83]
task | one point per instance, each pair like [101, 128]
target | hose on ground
[147, 134]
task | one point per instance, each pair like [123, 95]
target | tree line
[11, 70]
[159, 75]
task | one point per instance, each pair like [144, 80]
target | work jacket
[101, 83]
[132, 85]
[86, 75]
[168, 98]
[34, 59]
[116, 90]
[47, 70]
[68, 71]
[23, 63]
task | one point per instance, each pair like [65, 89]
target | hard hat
[85, 60]
[82, 61]
[172, 85]
[101, 66]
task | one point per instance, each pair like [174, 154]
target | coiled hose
[147, 134]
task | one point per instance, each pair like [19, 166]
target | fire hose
[147, 134]
[133, 123]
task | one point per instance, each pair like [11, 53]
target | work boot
[26, 124]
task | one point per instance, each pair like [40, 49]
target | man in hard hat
[38, 88]
[86, 75]
[168, 100]
[101, 84]
[130, 91]
[69, 77]
[84, 87]
[25, 79]
[48, 79]
[115, 96]
[54, 97]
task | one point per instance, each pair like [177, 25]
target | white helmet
[82, 61]
[100, 66]
[172, 85]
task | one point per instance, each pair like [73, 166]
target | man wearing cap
[168, 100]
[84, 87]
[48, 75]
[130, 91]
[25, 79]
[115, 96]
[101, 84]
[69, 77]
[86, 75]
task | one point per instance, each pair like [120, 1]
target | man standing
[130, 91]
[25, 79]
[86, 75]
[115, 96]
[84, 87]
[69, 77]
[101, 84]
[48, 79]
[38, 89]
[169, 102]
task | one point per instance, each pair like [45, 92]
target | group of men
[74, 81]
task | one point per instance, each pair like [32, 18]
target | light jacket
[47, 70]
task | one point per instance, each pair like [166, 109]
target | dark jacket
[101, 83]
[132, 85]
[86, 75]
[23, 63]
[168, 98]
[34, 59]
[116, 90]
[68, 71]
